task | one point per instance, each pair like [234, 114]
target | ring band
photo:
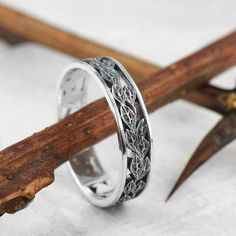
[133, 130]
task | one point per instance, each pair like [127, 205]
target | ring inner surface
[88, 171]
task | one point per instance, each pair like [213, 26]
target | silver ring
[133, 130]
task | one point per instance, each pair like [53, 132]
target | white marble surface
[161, 31]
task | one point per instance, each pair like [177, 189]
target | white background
[159, 31]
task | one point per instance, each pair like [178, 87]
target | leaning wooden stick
[217, 99]
[16, 28]
[30, 29]
[221, 135]
[28, 166]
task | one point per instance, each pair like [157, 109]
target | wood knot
[46, 149]
[87, 131]
[229, 101]
[10, 177]
[69, 125]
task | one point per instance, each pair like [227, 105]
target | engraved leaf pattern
[107, 62]
[106, 68]
[118, 93]
[130, 94]
[142, 128]
[96, 64]
[124, 198]
[128, 116]
[140, 186]
[142, 145]
[137, 167]
[147, 166]
[129, 187]
[132, 189]
[131, 140]
[135, 135]
[110, 75]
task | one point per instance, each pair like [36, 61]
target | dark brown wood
[221, 135]
[224, 102]
[16, 27]
[10, 38]
[213, 98]
[28, 166]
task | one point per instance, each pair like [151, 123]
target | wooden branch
[30, 29]
[16, 27]
[11, 38]
[28, 166]
[222, 134]
[213, 98]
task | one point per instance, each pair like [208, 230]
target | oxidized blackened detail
[136, 132]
